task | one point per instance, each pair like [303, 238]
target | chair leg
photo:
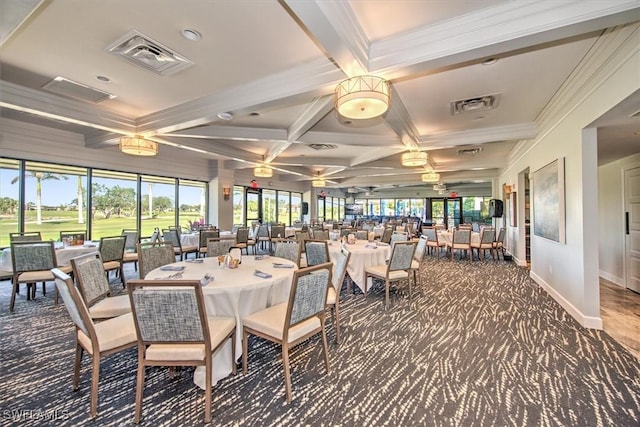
[207, 389]
[287, 373]
[336, 319]
[245, 342]
[76, 367]
[233, 352]
[324, 345]
[95, 376]
[386, 293]
[16, 287]
[139, 386]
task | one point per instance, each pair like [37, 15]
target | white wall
[611, 218]
[610, 73]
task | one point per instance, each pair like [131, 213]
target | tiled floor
[620, 311]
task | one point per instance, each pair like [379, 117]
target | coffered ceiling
[273, 67]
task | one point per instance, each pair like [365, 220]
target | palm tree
[40, 176]
[80, 210]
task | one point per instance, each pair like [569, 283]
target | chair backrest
[277, 231]
[475, 227]
[171, 235]
[76, 236]
[398, 237]
[321, 234]
[420, 248]
[242, 234]
[465, 227]
[386, 235]
[401, 256]
[33, 236]
[340, 268]
[169, 312]
[500, 238]
[32, 256]
[317, 252]
[289, 250]
[89, 273]
[461, 236]
[152, 255]
[430, 233]
[132, 238]
[112, 248]
[488, 236]
[75, 306]
[218, 247]
[205, 235]
[262, 231]
[362, 235]
[308, 296]
[345, 231]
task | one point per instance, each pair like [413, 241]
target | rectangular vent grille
[71, 89]
[148, 54]
[470, 105]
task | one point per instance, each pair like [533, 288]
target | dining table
[64, 253]
[364, 254]
[446, 236]
[235, 292]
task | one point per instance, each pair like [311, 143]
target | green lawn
[55, 222]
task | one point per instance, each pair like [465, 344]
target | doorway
[632, 228]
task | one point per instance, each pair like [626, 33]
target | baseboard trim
[589, 322]
[611, 278]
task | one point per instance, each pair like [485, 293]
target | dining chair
[242, 239]
[153, 255]
[32, 263]
[386, 235]
[262, 236]
[31, 236]
[74, 236]
[173, 329]
[397, 269]
[97, 339]
[418, 258]
[290, 323]
[398, 236]
[95, 290]
[317, 252]
[112, 254]
[289, 249]
[155, 236]
[132, 238]
[320, 234]
[203, 238]
[333, 294]
[172, 235]
[460, 241]
[487, 240]
[277, 232]
[433, 242]
[499, 243]
[219, 246]
[362, 235]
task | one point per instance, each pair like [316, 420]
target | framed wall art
[549, 201]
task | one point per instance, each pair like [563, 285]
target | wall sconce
[226, 192]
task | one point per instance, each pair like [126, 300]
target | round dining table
[363, 254]
[235, 292]
[63, 254]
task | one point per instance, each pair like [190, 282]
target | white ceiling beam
[235, 133]
[479, 136]
[398, 119]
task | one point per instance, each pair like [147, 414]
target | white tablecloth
[363, 255]
[446, 236]
[235, 292]
[63, 255]
[190, 239]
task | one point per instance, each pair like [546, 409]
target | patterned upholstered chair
[418, 257]
[317, 252]
[74, 235]
[204, 237]
[262, 237]
[218, 246]
[395, 270]
[320, 234]
[386, 235]
[32, 263]
[277, 233]
[32, 236]
[292, 322]
[432, 240]
[173, 329]
[153, 255]
[460, 241]
[173, 236]
[333, 294]
[112, 254]
[487, 240]
[362, 235]
[242, 239]
[499, 243]
[289, 250]
[98, 340]
[94, 288]
[398, 236]
[132, 238]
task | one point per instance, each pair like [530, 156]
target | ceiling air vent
[470, 105]
[323, 146]
[66, 87]
[149, 54]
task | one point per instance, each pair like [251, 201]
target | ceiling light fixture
[430, 177]
[414, 158]
[190, 34]
[138, 146]
[318, 182]
[263, 172]
[225, 116]
[362, 97]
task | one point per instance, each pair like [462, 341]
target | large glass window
[388, 207]
[238, 205]
[417, 208]
[476, 209]
[296, 207]
[269, 207]
[113, 203]
[365, 205]
[284, 208]
[192, 200]
[9, 199]
[253, 207]
[336, 209]
[374, 207]
[437, 211]
[321, 204]
[158, 200]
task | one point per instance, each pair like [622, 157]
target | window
[192, 196]
[9, 199]
[417, 208]
[158, 201]
[284, 208]
[269, 206]
[476, 209]
[113, 203]
[296, 207]
[238, 205]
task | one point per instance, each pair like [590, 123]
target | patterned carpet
[479, 345]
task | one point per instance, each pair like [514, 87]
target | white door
[632, 227]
